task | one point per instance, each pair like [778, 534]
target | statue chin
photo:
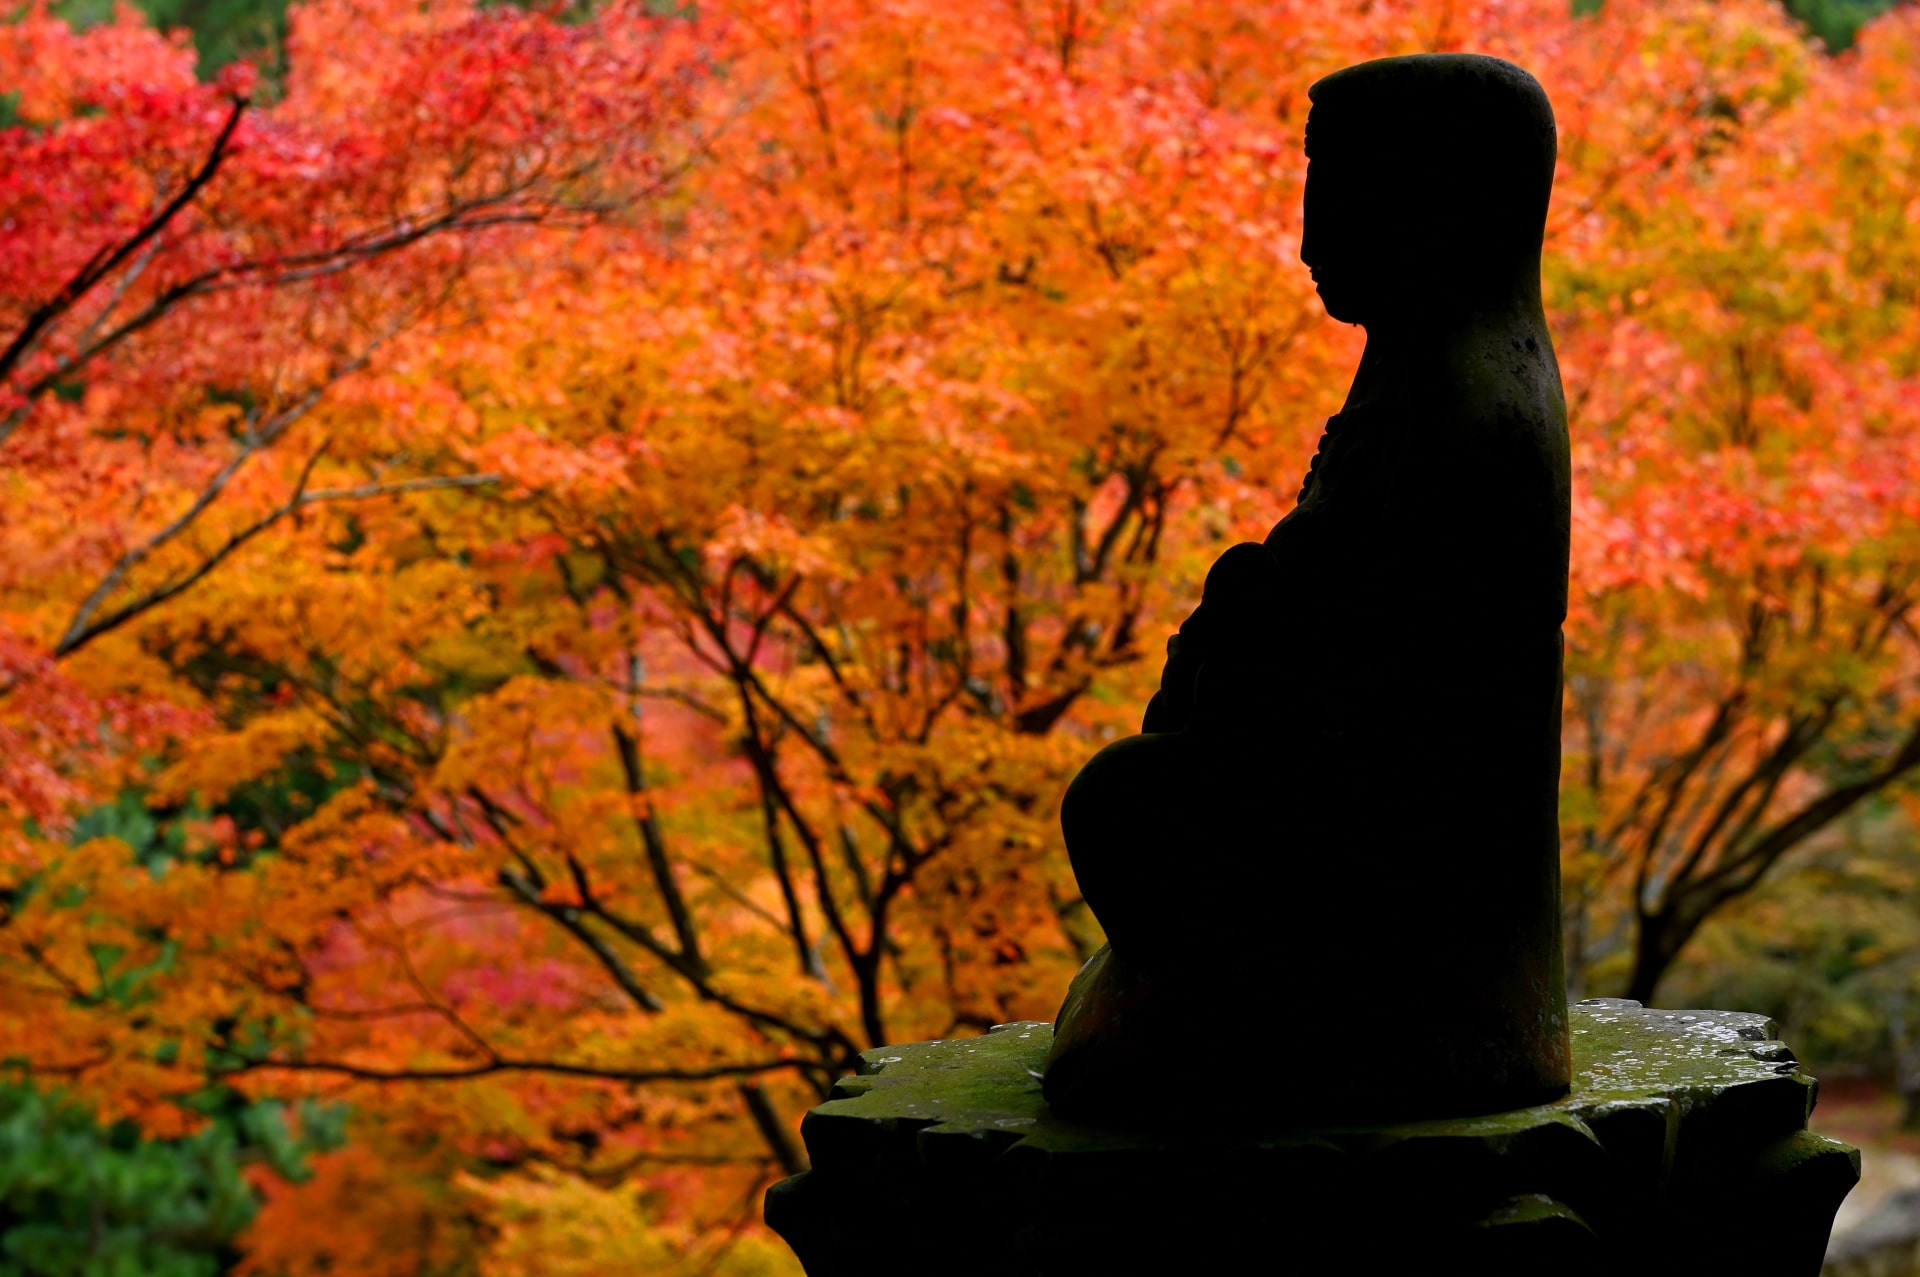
[1339, 300]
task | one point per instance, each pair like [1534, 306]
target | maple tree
[1743, 659]
[604, 540]
[138, 201]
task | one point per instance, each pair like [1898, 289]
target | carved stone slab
[1683, 1144]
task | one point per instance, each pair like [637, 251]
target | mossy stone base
[1683, 1147]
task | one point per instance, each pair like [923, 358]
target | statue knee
[1117, 817]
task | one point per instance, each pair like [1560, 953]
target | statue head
[1427, 185]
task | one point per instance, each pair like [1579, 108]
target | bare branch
[84, 630]
[105, 262]
[647, 825]
[575, 923]
[558, 1067]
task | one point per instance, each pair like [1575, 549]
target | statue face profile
[1427, 183]
[1343, 243]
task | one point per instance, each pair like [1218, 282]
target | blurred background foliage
[226, 30]
[80, 1197]
[1829, 944]
[223, 31]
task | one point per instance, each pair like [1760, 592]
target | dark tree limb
[110, 259]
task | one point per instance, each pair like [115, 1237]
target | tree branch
[84, 629]
[107, 261]
[558, 1067]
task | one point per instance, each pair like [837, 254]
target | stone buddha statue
[1328, 865]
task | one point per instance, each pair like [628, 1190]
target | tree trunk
[773, 1129]
[1659, 939]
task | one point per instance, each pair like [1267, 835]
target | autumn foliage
[604, 535]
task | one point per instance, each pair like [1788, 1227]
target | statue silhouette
[1334, 845]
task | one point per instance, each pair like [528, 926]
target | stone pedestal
[1683, 1147]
